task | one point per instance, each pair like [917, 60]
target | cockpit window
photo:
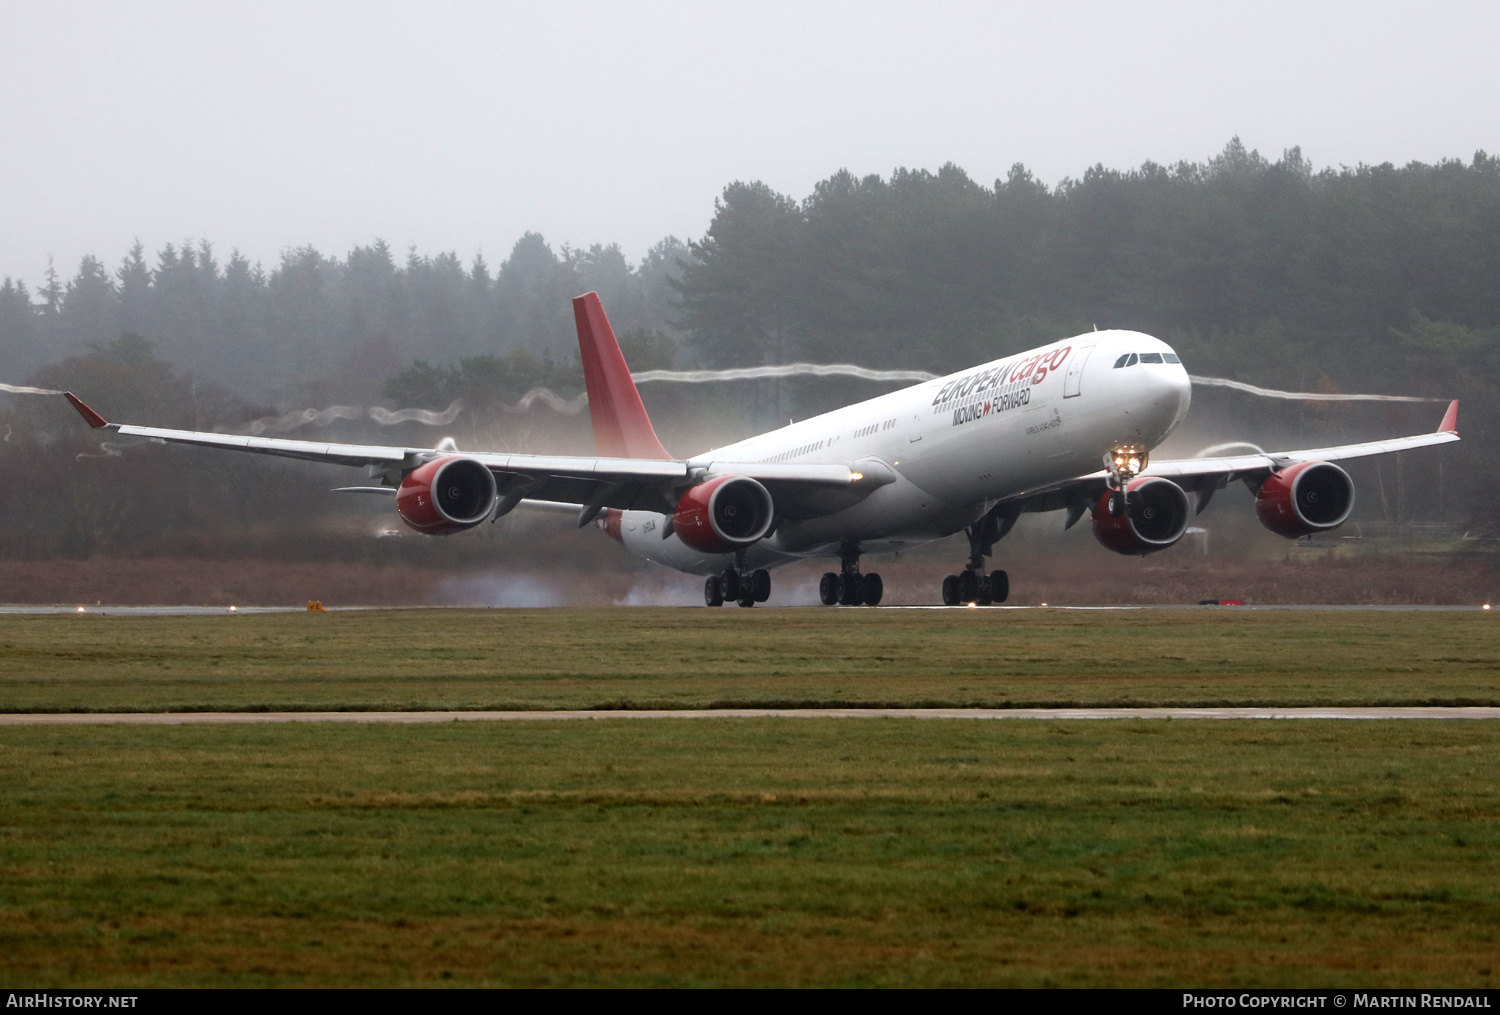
[1130, 359]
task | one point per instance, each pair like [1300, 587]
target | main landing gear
[736, 585]
[973, 585]
[849, 587]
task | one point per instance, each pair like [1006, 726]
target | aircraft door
[1073, 379]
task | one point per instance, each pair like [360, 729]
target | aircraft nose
[1174, 392]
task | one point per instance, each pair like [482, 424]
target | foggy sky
[459, 126]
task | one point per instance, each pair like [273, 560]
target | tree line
[1267, 269]
[315, 325]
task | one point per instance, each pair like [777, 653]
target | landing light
[856, 476]
[1124, 462]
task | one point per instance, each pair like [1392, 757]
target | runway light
[80, 609]
[1486, 606]
[231, 609]
[973, 606]
[1044, 604]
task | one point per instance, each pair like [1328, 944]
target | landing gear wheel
[729, 583]
[950, 590]
[713, 595]
[828, 589]
[874, 589]
[1116, 505]
[760, 584]
[851, 589]
[747, 600]
[982, 581]
[999, 586]
[968, 587]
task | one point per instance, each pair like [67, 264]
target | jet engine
[446, 496]
[1155, 516]
[724, 514]
[1306, 498]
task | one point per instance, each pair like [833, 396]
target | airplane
[971, 452]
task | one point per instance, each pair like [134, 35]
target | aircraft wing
[637, 484]
[592, 482]
[1204, 475]
[1233, 466]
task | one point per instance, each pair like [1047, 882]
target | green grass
[685, 658]
[725, 852]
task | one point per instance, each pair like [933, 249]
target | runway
[220, 611]
[177, 611]
[242, 718]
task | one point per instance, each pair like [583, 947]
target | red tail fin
[1450, 419]
[621, 427]
[94, 419]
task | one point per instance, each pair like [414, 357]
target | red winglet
[621, 427]
[1450, 419]
[90, 417]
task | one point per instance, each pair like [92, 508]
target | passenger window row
[805, 449]
[866, 431]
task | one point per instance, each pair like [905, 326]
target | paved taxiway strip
[196, 718]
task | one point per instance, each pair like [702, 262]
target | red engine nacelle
[446, 496]
[724, 514]
[1307, 498]
[1155, 516]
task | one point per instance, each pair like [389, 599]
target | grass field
[691, 658]
[726, 852]
[738, 852]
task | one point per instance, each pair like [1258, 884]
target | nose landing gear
[848, 587]
[1123, 464]
[737, 585]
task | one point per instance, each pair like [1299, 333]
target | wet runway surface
[217, 611]
[177, 611]
[196, 718]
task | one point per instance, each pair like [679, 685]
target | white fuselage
[956, 445]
